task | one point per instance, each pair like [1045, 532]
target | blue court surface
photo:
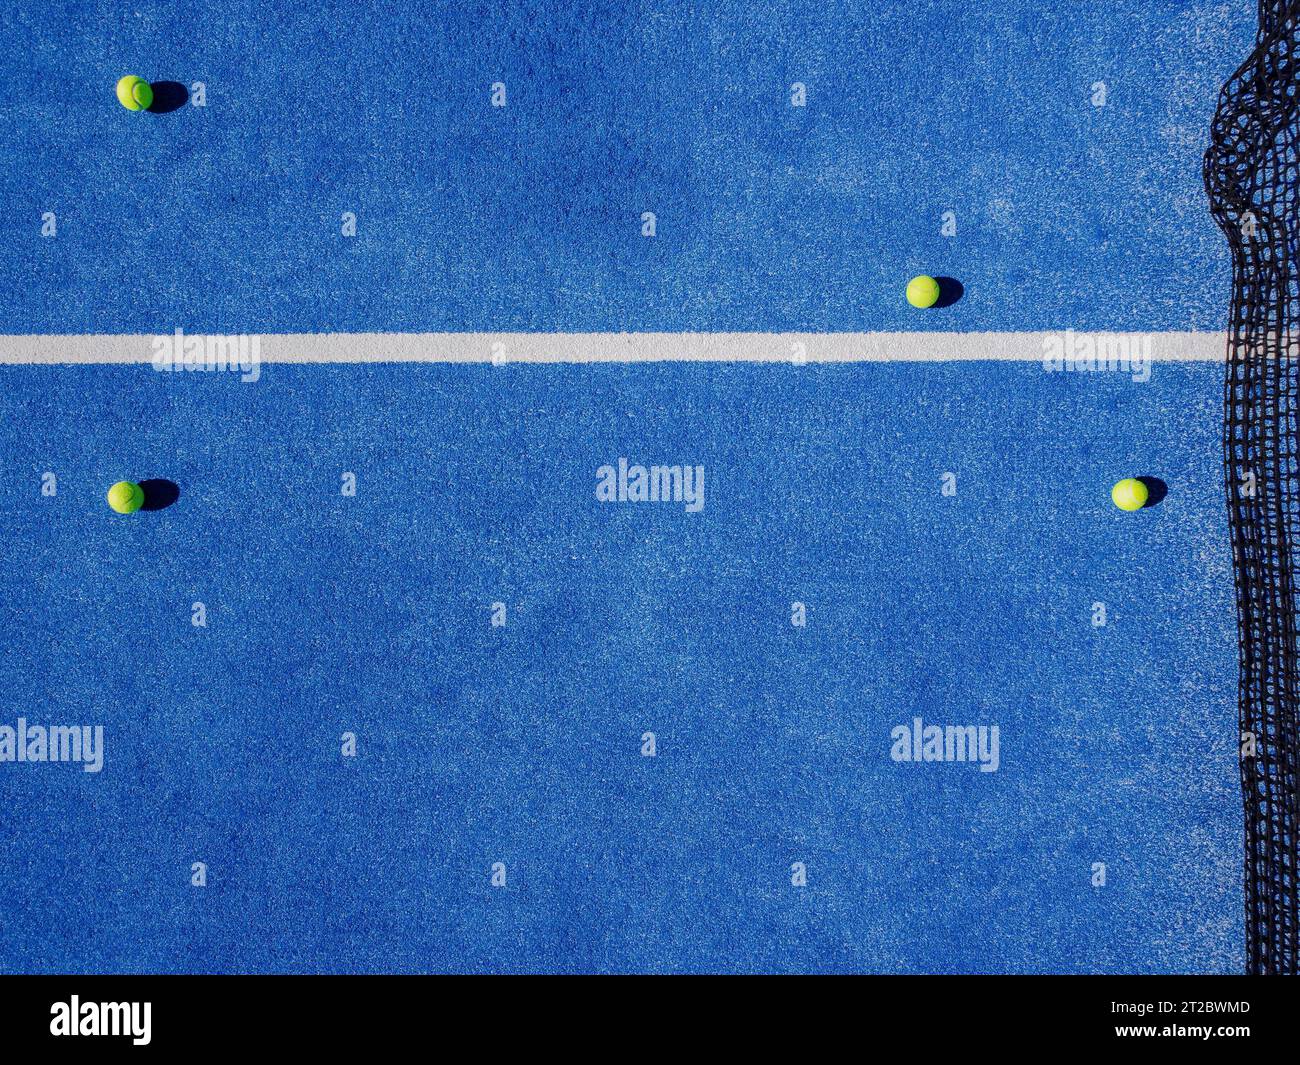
[388, 686]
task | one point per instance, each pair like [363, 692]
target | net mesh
[1252, 175]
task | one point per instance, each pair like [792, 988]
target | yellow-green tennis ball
[1130, 494]
[126, 497]
[134, 93]
[923, 291]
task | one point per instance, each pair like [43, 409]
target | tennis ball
[134, 93]
[126, 497]
[923, 291]
[1129, 494]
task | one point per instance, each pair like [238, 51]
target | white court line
[89, 349]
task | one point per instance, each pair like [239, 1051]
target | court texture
[403, 313]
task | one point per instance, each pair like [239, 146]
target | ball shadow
[1156, 491]
[168, 96]
[950, 291]
[159, 494]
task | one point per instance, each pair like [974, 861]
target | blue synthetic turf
[476, 484]
[522, 744]
[227, 218]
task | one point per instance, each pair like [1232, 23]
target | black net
[1252, 175]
